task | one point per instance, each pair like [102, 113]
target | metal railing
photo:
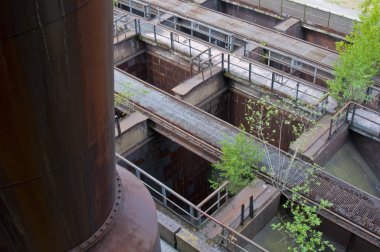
[277, 82]
[182, 207]
[227, 41]
[126, 30]
[358, 116]
[373, 97]
[286, 63]
[308, 14]
[203, 57]
[191, 213]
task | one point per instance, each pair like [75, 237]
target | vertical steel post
[353, 114]
[249, 72]
[218, 203]
[298, 87]
[272, 83]
[155, 34]
[228, 62]
[242, 215]
[251, 206]
[330, 130]
[117, 121]
[171, 40]
[164, 199]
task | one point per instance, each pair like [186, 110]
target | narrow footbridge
[201, 132]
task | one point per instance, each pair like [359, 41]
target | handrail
[268, 145]
[215, 192]
[319, 89]
[195, 208]
[320, 102]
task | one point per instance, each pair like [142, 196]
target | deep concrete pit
[159, 67]
[176, 167]
[231, 106]
[357, 162]
[272, 240]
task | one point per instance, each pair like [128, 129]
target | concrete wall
[126, 49]
[368, 149]
[175, 166]
[137, 66]
[351, 242]
[261, 218]
[165, 73]
[134, 131]
[196, 91]
[247, 14]
[319, 38]
[332, 146]
[237, 111]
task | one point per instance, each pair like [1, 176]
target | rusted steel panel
[57, 125]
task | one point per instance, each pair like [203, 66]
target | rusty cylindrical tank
[57, 157]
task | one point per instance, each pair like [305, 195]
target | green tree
[240, 155]
[292, 178]
[359, 56]
[301, 227]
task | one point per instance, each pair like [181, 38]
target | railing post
[315, 75]
[330, 130]
[242, 215]
[136, 27]
[138, 174]
[154, 33]
[192, 215]
[347, 112]
[250, 72]
[228, 62]
[117, 125]
[298, 87]
[272, 84]
[139, 26]
[164, 200]
[222, 61]
[251, 206]
[269, 55]
[218, 203]
[353, 114]
[190, 47]
[171, 40]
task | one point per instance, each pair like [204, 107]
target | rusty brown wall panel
[56, 122]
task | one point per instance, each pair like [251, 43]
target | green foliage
[114, 2]
[267, 121]
[240, 155]
[124, 94]
[359, 59]
[301, 228]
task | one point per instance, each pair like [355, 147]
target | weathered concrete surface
[165, 73]
[369, 150]
[204, 126]
[299, 48]
[134, 130]
[127, 49]
[290, 26]
[168, 228]
[349, 165]
[201, 86]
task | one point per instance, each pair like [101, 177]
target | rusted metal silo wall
[57, 175]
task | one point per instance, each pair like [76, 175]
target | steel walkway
[354, 209]
[297, 47]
